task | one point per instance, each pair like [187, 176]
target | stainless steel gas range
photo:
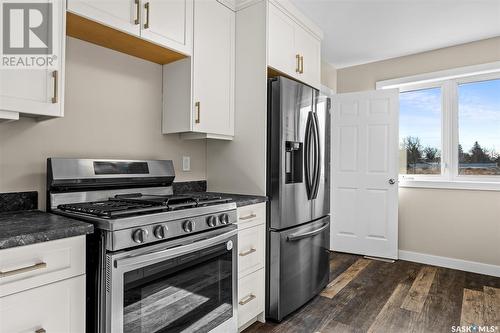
[157, 262]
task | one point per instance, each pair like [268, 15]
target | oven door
[185, 285]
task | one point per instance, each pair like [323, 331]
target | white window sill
[451, 185]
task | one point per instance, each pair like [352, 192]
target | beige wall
[450, 223]
[112, 110]
[364, 77]
[329, 76]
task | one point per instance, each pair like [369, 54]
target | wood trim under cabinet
[99, 34]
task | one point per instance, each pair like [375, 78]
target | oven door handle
[144, 258]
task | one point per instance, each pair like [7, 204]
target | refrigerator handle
[307, 156]
[294, 237]
[317, 157]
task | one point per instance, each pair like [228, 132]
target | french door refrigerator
[298, 187]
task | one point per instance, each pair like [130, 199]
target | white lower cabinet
[54, 308]
[251, 297]
[42, 287]
[251, 264]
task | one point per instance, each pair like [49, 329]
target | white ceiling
[362, 31]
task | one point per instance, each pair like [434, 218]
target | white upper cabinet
[37, 92]
[309, 50]
[282, 56]
[293, 48]
[198, 93]
[213, 64]
[122, 15]
[168, 23]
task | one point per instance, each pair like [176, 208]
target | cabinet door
[56, 307]
[168, 23]
[309, 48]
[213, 68]
[282, 55]
[38, 91]
[122, 15]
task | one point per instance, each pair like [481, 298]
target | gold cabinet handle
[301, 64]
[248, 217]
[197, 109]
[138, 12]
[245, 253]
[247, 299]
[146, 6]
[41, 330]
[55, 98]
[297, 69]
[23, 270]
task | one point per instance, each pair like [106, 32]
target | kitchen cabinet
[251, 262]
[293, 50]
[42, 287]
[56, 307]
[165, 23]
[199, 92]
[169, 23]
[37, 92]
[122, 15]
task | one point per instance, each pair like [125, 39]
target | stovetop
[124, 205]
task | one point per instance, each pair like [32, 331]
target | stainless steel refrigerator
[298, 186]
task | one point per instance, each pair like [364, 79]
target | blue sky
[479, 115]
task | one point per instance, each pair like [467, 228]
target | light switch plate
[186, 163]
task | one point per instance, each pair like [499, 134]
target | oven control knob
[224, 218]
[212, 221]
[140, 235]
[160, 231]
[188, 226]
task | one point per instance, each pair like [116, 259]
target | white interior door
[365, 173]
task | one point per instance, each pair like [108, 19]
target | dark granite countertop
[200, 187]
[33, 226]
[240, 199]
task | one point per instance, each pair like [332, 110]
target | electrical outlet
[186, 163]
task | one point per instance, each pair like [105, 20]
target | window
[420, 132]
[449, 128]
[479, 128]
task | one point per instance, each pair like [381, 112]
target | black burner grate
[136, 203]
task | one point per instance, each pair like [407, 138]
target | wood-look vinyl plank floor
[395, 297]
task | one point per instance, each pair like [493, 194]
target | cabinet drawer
[252, 215]
[251, 249]
[57, 308]
[251, 293]
[34, 265]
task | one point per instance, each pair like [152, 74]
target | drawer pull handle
[55, 97]
[197, 107]
[137, 13]
[245, 253]
[41, 330]
[248, 217]
[247, 299]
[146, 7]
[23, 270]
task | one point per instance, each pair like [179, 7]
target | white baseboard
[462, 265]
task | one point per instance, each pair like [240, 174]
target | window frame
[449, 82]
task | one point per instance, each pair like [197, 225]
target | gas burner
[136, 203]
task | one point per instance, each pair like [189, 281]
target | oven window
[192, 293]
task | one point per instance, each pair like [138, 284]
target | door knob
[392, 181]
